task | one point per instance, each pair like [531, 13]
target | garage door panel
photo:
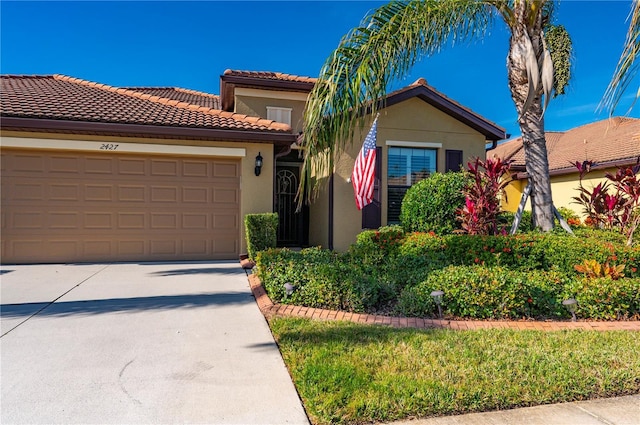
[164, 194]
[99, 192]
[129, 167]
[164, 221]
[130, 193]
[196, 195]
[226, 170]
[164, 168]
[196, 169]
[226, 196]
[64, 220]
[25, 220]
[99, 165]
[64, 164]
[225, 221]
[64, 192]
[113, 207]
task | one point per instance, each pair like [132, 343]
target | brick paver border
[269, 309]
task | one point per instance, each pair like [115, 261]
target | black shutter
[453, 160]
[372, 213]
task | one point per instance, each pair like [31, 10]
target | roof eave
[486, 128]
[106, 128]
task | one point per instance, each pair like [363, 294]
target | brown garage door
[83, 207]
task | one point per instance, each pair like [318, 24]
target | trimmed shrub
[375, 247]
[261, 231]
[322, 279]
[480, 292]
[431, 204]
[605, 298]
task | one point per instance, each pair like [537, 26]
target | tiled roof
[607, 141]
[58, 97]
[182, 95]
[266, 75]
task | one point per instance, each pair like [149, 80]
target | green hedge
[487, 292]
[432, 203]
[261, 231]
[526, 275]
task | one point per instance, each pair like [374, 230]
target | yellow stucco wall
[563, 189]
[409, 121]
[256, 191]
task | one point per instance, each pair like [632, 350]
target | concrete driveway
[138, 343]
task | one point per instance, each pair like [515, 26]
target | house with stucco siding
[609, 144]
[92, 172]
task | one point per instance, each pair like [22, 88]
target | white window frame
[279, 114]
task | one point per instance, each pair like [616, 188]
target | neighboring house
[609, 143]
[98, 173]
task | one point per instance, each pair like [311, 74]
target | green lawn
[349, 373]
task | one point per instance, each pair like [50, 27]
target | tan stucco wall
[256, 106]
[319, 218]
[409, 121]
[256, 192]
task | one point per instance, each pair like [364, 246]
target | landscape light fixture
[571, 304]
[289, 288]
[258, 164]
[437, 298]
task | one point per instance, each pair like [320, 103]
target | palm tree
[627, 66]
[353, 81]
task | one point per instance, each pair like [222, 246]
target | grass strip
[351, 374]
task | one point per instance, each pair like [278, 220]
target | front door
[292, 228]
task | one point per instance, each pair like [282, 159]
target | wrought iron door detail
[286, 190]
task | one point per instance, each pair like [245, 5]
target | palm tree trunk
[537, 166]
[531, 120]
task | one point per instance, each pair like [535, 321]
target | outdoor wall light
[571, 304]
[289, 288]
[258, 164]
[437, 298]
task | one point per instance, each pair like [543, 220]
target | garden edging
[269, 309]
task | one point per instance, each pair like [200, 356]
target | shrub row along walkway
[269, 309]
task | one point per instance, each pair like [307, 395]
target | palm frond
[354, 80]
[627, 67]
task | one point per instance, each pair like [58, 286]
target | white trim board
[407, 144]
[80, 145]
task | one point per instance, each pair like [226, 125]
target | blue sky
[190, 44]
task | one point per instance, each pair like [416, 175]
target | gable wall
[254, 102]
[410, 121]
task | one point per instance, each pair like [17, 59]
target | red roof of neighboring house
[614, 141]
[183, 95]
[58, 99]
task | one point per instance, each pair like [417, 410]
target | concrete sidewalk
[138, 343]
[606, 411]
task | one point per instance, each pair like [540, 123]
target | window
[406, 167]
[278, 114]
[453, 160]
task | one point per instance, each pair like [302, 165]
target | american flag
[364, 169]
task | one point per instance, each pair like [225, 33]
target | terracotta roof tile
[59, 97]
[606, 141]
[266, 75]
[192, 97]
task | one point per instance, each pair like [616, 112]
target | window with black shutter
[406, 167]
[453, 160]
